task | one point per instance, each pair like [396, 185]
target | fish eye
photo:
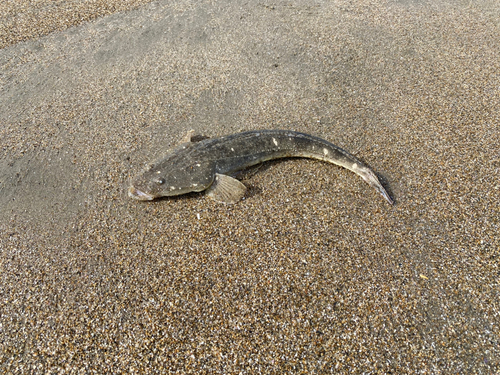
[160, 181]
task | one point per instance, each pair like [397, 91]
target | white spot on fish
[232, 149]
[158, 172]
[198, 165]
[275, 142]
[194, 185]
[172, 187]
[325, 151]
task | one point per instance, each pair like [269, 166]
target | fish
[207, 165]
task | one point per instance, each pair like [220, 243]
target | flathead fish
[207, 165]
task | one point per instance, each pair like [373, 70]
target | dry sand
[313, 272]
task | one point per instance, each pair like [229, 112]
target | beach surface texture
[312, 272]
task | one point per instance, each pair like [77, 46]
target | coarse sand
[313, 272]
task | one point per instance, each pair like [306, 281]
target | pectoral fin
[226, 189]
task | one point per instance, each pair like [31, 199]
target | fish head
[169, 178]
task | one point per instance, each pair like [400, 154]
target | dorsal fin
[187, 137]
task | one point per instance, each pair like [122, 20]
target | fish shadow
[198, 138]
[252, 191]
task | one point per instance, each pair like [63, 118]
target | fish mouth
[139, 195]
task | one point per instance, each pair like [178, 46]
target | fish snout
[139, 195]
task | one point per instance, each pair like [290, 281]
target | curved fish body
[206, 165]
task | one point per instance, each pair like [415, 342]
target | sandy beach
[313, 272]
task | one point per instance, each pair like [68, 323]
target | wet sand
[313, 272]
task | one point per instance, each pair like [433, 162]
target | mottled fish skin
[194, 167]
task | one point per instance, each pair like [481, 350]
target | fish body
[206, 165]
